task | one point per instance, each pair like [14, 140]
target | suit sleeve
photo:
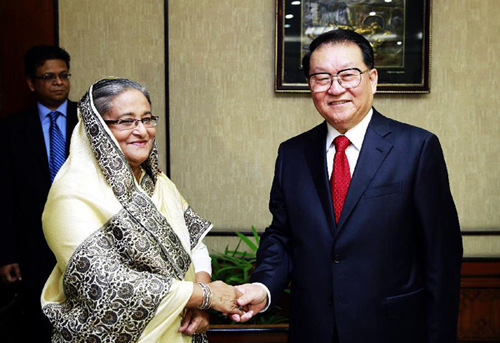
[273, 256]
[441, 243]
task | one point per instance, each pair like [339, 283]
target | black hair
[339, 36]
[37, 55]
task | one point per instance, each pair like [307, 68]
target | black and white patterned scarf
[116, 278]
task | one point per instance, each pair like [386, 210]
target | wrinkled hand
[194, 321]
[225, 298]
[253, 300]
[10, 273]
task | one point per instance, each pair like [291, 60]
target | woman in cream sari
[131, 264]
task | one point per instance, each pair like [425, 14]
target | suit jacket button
[337, 258]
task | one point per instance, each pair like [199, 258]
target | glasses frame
[49, 77]
[154, 119]
[336, 76]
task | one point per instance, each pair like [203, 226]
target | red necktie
[341, 175]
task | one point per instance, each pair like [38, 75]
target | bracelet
[207, 297]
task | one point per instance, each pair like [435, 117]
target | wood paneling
[23, 24]
[479, 316]
[248, 333]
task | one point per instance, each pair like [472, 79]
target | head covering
[119, 243]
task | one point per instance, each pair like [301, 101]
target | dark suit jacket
[389, 271]
[25, 185]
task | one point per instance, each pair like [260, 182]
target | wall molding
[225, 233]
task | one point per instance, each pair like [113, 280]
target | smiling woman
[131, 263]
[122, 102]
[126, 111]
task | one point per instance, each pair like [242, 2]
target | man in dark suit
[373, 252]
[25, 259]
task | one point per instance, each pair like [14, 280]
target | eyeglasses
[347, 78]
[130, 124]
[49, 77]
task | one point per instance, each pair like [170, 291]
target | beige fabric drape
[123, 249]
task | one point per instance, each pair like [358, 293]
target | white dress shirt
[356, 135]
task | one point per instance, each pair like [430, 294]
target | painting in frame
[398, 30]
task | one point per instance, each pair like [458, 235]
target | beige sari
[123, 248]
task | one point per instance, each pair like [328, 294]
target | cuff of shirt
[268, 295]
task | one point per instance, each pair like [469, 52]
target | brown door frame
[23, 24]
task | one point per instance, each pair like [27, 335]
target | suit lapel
[316, 160]
[373, 153]
[34, 144]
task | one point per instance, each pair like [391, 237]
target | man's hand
[10, 273]
[253, 300]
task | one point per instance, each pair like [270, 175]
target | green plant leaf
[256, 235]
[234, 267]
[247, 241]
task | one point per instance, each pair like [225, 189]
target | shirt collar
[356, 135]
[44, 111]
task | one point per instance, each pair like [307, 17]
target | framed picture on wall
[398, 30]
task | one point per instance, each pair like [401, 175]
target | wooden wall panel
[23, 24]
[479, 316]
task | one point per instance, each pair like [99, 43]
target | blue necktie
[57, 146]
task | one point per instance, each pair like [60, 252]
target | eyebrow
[132, 114]
[322, 70]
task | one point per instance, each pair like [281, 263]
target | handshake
[240, 302]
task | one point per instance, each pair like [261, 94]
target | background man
[35, 145]
[364, 224]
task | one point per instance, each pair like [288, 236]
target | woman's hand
[225, 298]
[194, 321]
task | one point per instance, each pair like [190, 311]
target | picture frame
[399, 31]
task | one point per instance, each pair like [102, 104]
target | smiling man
[364, 224]
[35, 146]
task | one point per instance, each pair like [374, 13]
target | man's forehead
[53, 63]
[344, 53]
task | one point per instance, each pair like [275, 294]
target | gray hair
[105, 90]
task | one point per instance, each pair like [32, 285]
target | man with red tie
[364, 224]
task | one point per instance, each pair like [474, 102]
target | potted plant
[234, 267]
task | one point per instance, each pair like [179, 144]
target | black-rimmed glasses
[347, 78]
[130, 124]
[49, 77]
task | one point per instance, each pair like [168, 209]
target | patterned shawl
[119, 244]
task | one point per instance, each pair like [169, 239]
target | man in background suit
[25, 259]
[373, 252]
